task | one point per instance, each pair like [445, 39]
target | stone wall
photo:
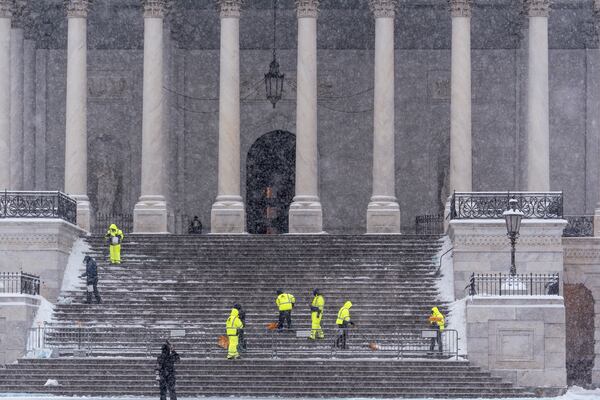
[40, 247]
[16, 316]
[521, 339]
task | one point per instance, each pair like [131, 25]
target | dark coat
[166, 363]
[91, 271]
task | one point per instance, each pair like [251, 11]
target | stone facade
[521, 339]
[16, 316]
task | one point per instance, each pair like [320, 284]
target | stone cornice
[6, 8]
[77, 8]
[597, 15]
[460, 8]
[19, 13]
[307, 8]
[383, 8]
[500, 242]
[537, 8]
[229, 8]
[156, 8]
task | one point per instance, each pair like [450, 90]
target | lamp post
[513, 218]
[273, 78]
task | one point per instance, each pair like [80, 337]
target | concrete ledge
[16, 316]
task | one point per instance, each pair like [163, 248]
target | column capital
[383, 8]
[77, 8]
[597, 14]
[6, 8]
[19, 13]
[307, 8]
[460, 8]
[156, 8]
[229, 8]
[537, 8]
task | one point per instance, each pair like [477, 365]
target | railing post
[500, 283]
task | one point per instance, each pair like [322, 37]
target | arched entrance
[270, 182]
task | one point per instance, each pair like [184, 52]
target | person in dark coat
[91, 278]
[166, 371]
[195, 226]
[242, 316]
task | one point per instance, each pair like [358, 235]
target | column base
[597, 222]
[596, 374]
[228, 215]
[383, 215]
[150, 215]
[306, 215]
[84, 212]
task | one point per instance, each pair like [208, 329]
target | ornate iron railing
[579, 226]
[103, 221]
[513, 285]
[19, 283]
[429, 224]
[491, 205]
[38, 205]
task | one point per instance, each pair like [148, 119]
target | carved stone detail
[229, 8]
[383, 8]
[6, 8]
[77, 8]
[597, 16]
[156, 8]
[537, 8]
[460, 8]
[307, 8]
[19, 13]
[499, 241]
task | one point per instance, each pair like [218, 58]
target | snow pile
[71, 280]
[445, 284]
[43, 314]
[51, 382]
[458, 322]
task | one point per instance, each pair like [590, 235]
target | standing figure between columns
[5, 24]
[150, 212]
[383, 212]
[306, 214]
[538, 129]
[76, 109]
[228, 213]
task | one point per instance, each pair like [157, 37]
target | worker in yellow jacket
[115, 237]
[234, 325]
[316, 313]
[285, 303]
[439, 322]
[343, 321]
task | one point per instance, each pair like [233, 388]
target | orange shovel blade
[272, 326]
[223, 342]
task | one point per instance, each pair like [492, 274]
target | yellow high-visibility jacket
[234, 323]
[113, 231]
[285, 301]
[438, 318]
[318, 302]
[344, 313]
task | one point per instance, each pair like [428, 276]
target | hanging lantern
[273, 78]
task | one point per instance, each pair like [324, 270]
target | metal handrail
[19, 283]
[45, 204]
[513, 285]
[491, 205]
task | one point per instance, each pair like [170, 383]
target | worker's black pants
[285, 318]
[167, 384]
[438, 339]
[242, 340]
[340, 341]
[94, 284]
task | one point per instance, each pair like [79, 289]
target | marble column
[538, 130]
[228, 213]
[76, 110]
[461, 175]
[383, 212]
[29, 147]
[5, 24]
[150, 212]
[16, 98]
[596, 373]
[306, 214]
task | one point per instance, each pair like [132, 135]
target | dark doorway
[270, 182]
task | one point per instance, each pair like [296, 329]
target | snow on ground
[43, 314]
[71, 279]
[574, 393]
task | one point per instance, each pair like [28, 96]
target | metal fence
[103, 221]
[491, 205]
[38, 205]
[429, 224]
[19, 282]
[579, 226]
[513, 285]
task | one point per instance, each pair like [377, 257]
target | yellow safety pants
[316, 332]
[115, 254]
[232, 350]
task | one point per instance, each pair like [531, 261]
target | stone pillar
[597, 210]
[150, 212]
[228, 214]
[383, 212]
[5, 24]
[16, 97]
[461, 175]
[29, 141]
[538, 131]
[76, 116]
[306, 214]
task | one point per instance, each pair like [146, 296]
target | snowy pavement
[574, 393]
